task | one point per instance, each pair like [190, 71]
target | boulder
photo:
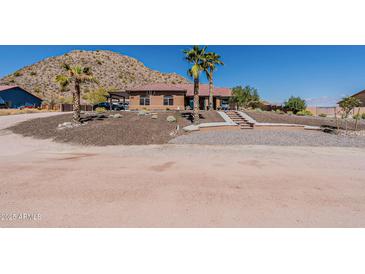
[191, 128]
[154, 116]
[115, 116]
[170, 119]
[141, 112]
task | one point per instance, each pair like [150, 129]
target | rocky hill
[111, 69]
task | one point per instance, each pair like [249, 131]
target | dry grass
[4, 112]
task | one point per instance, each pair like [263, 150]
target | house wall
[361, 97]
[17, 97]
[156, 103]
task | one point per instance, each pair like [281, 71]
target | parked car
[27, 105]
[225, 106]
[122, 106]
[115, 106]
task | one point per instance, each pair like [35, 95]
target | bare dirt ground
[180, 185]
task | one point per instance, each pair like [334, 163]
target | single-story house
[15, 97]
[160, 96]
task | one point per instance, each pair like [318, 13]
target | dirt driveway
[179, 185]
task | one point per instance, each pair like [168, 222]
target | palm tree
[210, 65]
[77, 75]
[196, 57]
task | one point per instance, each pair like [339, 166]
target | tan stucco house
[160, 96]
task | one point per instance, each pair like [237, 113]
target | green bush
[322, 115]
[363, 116]
[279, 111]
[295, 104]
[33, 73]
[100, 110]
[357, 116]
[289, 112]
[17, 74]
[258, 109]
[304, 113]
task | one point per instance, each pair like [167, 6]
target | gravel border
[270, 137]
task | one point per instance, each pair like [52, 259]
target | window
[144, 100]
[168, 100]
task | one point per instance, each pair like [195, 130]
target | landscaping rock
[68, 125]
[191, 128]
[142, 112]
[154, 116]
[115, 116]
[170, 119]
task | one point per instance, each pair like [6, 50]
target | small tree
[97, 96]
[77, 76]
[245, 97]
[295, 104]
[347, 104]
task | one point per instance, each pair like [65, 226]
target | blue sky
[320, 74]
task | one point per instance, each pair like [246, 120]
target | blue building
[15, 97]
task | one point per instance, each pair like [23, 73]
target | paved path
[180, 185]
[10, 120]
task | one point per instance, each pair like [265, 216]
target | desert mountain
[111, 69]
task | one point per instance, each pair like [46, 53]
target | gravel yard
[272, 117]
[277, 137]
[130, 129]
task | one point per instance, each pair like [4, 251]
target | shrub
[295, 104]
[17, 74]
[363, 116]
[33, 73]
[279, 111]
[100, 110]
[322, 115]
[357, 116]
[347, 104]
[304, 113]
[258, 109]
[289, 112]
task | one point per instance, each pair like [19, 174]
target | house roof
[3, 88]
[7, 87]
[358, 93]
[188, 88]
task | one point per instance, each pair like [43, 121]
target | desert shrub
[258, 109]
[357, 116]
[33, 73]
[295, 104]
[96, 96]
[289, 112]
[279, 111]
[348, 103]
[100, 110]
[304, 113]
[322, 115]
[245, 97]
[363, 116]
[17, 74]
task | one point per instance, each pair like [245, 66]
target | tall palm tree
[210, 65]
[196, 57]
[77, 75]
